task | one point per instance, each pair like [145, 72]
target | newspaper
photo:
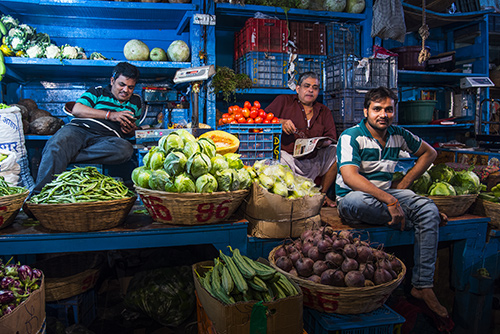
[304, 146]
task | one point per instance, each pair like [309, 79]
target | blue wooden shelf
[421, 78]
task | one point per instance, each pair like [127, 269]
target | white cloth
[311, 168]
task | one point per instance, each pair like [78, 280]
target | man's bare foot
[429, 297]
[444, 219]
[329, 203]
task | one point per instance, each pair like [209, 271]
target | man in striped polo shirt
[367, 155]
[103, 117]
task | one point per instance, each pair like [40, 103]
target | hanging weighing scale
[194, 75]
[477, 83]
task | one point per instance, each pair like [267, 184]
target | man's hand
[125, 118]
[129, 128]
[397, 214]
[288, 126]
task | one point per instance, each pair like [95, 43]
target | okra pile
[6, 189]
[238, 278]
[81, 184]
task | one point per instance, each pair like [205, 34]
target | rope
[424, 34]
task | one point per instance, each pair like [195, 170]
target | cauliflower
[29, 31]
[97, 56]
[52, 52]
[34, 51]
[69, 52]
[9, 22]
[16, 32]
[81, 53]
[17, 43]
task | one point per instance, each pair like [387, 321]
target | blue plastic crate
[380, 321]
[265, 69]
[343, 39]
[310, 63]
[256, 146]
[346, 105]
[80, 309]
[346, 72]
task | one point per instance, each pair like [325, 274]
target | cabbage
[227, 180]
[198, 164]
[171, 142]
[174, 163]
[208, 147]
[266, 181]
[185, 135]
[156, 159]
[135, 174]
[143, 178]
[279, 188]
[289, 180]
[422, 184]
[466, 182]
[234, 160]
[206, 184]
[158, 179]
[441, 172]
[191, 148]
[355, 6]
[218, 163]
[335, 5]
[178, 51]
[244, 178]
[441, 189]
[184, 184]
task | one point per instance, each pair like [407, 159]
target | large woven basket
[492, 210]
[70, 274]
[342, 300]
[191, 208]
[10, 206]
[83, 216]
[454, 206]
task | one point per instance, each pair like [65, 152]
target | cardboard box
[283, 315]
[273, 216]
[28, 317]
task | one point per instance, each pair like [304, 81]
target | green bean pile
[6, 189]
[81, 184]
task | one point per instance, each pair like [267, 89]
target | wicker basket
[342, 300]
[84, 216]
[11, 204]
[492, 210]
[454, 206]
[191, 208]
[70, 275]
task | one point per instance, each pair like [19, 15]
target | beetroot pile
[337, 259]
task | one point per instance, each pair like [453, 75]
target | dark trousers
[73, 144]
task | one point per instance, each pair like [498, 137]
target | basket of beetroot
[337, 271]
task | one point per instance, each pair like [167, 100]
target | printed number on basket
[205, 210]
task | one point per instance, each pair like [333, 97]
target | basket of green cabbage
[185, 182]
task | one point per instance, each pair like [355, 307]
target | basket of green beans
[11, 201]
[82, 200]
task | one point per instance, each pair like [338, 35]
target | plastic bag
[166, 294]
[388, 20]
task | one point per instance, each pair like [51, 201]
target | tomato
[250, 121]
[230, 119]
[233, 122]
[254, 108]
[221, 121]
[247, 105]
[262, 113]
[242, 120]
[254, 113]
[225, 120]
[266, 121]
[245, 112]
[256, 104]
[237, 115]
[230, 110]
[225, 115]
[236, 108]
[270, 116]
[275, 120]
[258, 119]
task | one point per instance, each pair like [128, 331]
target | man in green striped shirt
[367, 155]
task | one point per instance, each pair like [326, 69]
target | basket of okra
[11, 201]
[82, 200]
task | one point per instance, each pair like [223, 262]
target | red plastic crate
[263, 35]
[309, 38]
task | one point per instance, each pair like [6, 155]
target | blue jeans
[73, 144]
[421, 216]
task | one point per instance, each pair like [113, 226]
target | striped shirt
[102, 98]
[357, 147]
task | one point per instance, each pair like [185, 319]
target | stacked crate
[348, 77]
[262, 51]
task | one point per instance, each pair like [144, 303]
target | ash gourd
[334, 258]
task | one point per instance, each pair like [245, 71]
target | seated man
[367, 156]
[303, 117]
[103, 116]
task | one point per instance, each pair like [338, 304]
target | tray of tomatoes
[248, 114]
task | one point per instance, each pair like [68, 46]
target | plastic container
[257, 141]
[352, 72]
[343, 39]
[265, 69]
[408, 58]
[80, 309]
[310, 63]
[309, 38]
[263, 35]
[346, 105]
[381, 321]
[416, 112]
